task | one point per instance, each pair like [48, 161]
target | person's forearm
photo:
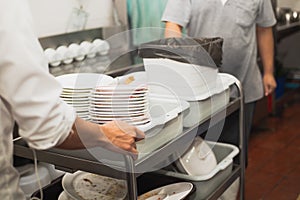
[173, 30]
[84, 134]
[116, 136]
[266, 48]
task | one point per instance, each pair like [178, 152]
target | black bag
[199, 51]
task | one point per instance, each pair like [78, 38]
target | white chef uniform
[29, 95]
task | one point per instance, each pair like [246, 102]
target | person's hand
[122, 137]
[269, 83]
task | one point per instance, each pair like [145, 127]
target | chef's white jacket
[29, 95]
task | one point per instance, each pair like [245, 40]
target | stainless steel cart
[82, 160]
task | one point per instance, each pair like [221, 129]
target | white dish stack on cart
[100, 98]
[76, 90]
[126, 100]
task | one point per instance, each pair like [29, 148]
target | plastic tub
[168, 132]
[199, 110]
[167, 120]
[186, 80]
[206, 184]
[29, 180]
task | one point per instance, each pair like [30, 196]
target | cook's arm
[117, 136]
[173, 30]
[266, 48]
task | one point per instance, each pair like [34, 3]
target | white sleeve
[31, 93]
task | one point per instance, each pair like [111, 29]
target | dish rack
[82, 159]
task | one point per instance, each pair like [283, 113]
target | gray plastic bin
[207, 184]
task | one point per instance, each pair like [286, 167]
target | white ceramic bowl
[89, 48]
[102, 46]
[78, 51]
[198, 160]
[54, 58]
[66, 54]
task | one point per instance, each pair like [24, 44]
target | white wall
[294, 4]
[53, 17]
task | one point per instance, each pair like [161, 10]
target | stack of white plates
[79, 99]
[76, 89]
[128, 103]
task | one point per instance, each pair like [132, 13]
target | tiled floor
[273, 171]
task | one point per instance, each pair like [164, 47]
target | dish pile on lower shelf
[86, 186]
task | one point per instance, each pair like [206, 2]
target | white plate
[119, 93]
[118, 99]
[84, 80]
[76, 90]
[75, 98]
[174, 191]
[106, 187]
[118, 109]
[124, 118]
[75, 95]
[83, 116]
[71, 92]
[114, 113]
[120, 89]
[80, 105]
[74, 101]
[113, 105]
[119, 96]
[139, 123]
[124, 103]
[81, 109]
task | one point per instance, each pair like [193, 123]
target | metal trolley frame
[82, 160]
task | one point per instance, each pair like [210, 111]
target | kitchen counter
[111, 64]
[286, 30]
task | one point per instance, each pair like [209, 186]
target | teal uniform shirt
[145, 19]
[235, 21]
